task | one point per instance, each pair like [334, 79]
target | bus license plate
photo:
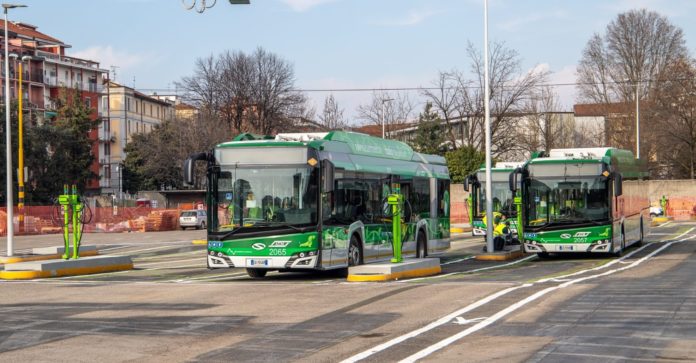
[258, 262]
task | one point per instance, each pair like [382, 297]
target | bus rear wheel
[421, 245]
[256, 273]
[354, 252]
[623, 246]
[641, 236]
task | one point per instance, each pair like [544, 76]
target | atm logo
[258, 246]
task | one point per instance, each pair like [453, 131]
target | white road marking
[456, 261]
[444, 320]
[462, 321]
[470, 271]
[445, 342]
[619, 260]
[137, 264]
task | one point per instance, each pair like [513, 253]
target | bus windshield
[563, 201]
[502, 198]
[266, 196]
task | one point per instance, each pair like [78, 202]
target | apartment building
[128, 112]
[45, 71]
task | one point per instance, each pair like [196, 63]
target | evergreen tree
[463, 162]
[430, 135]
[59, 151]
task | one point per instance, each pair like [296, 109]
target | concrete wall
[681, 197]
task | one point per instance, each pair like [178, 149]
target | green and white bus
[582, 200]
[317, 201]
[503, 204]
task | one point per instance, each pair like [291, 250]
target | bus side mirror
[466, 184]
[327, 176]
[618, 184]
[189, 165]
[513, 182]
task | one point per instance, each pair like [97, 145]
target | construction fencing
[49, 219]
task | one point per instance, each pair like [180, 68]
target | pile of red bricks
[162, 220]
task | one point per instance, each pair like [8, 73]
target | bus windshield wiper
[224, 236]
[279, 224]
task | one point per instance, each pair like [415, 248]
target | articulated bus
[503, 204]
[582, 200]
[317, 201]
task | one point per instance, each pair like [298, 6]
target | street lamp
[8, 140]
[637, 120]
[207, 4]
[384, 100]
[486, 104]
[118, 170]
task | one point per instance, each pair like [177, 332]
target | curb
[500, 256]
[28, 275]
[199, 242]
[29, 258]
[429, 271]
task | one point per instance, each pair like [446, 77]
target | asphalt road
[171, 308]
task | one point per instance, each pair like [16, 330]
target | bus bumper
[602, 246]
[297, 261]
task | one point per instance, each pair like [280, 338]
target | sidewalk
[460, 228]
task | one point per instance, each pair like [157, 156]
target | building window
[105, 103]
[88, 102]
[107, 149]
[136, 106]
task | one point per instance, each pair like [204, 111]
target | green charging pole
[72, 208]
[396, 200]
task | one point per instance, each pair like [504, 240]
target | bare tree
[626, 63]
[332, 115]
[675, 115]
[543, 127]
[460, 100]
[445, 99]
[398, 110]
[248, 92]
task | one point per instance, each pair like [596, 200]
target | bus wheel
[256, 273]
[640, 240]
[354, 252]
[543, 254]
[421, 245]
[623, 245]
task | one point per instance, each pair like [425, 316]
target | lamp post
[486, 101]
[118, 170]
[206, 4]
[384, 100]
[637, 120]
[8, 140]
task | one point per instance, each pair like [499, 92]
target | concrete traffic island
[59, 267]
[509, 253]
[395, 271]
[48, 253]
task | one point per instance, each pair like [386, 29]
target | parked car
[192, 218]
[656, 211]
